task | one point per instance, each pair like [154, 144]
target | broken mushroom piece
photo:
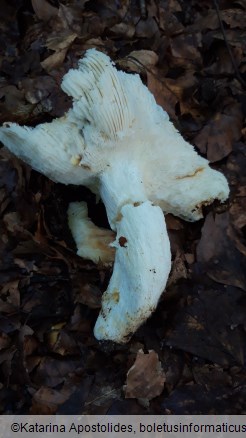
[53, 149]
[118, 142]
[93, 243]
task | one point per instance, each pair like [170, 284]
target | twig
[143, 9]
[238, 75]
[114, 390]
[144, 68]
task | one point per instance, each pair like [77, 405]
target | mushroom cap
[121, 117]
[115, 118]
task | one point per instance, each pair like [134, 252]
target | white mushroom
[117, 141]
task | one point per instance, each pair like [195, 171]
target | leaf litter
[189, 357]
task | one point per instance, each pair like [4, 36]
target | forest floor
[191, 352]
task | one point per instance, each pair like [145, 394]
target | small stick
[238, 75]
[143, 9]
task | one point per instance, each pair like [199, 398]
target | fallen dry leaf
[218, 254]
[137, 60]
[44, 10]
[146, 378]
[196, 399]
[186, 46]
[60, 41]
[173, 223]
[178, 270]
[54, 60]
[218, 135]
[223, 65]
[123, 29]
[146, 28]
[234, 18]
[46, 401]
[164, 96]
[204, 326]
[238, 217]
[5, 341]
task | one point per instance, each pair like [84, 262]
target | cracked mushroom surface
[118, 142]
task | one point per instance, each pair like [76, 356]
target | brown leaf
[87, 294]
[173, 223]
[123, 29]
[237, 209]
[210, 375]
[234, 18]
[61, 342]
[80, 391]
[60, 41]
[52, 372]
[185, 84]
[46, 401]
[146, 28]
[190, 258]
[186, 46]
[217, 252]
[73, 18]
[6, 358]
[102, 397]
[94, 43]
[5, 340]
[218, 135]
[223, 64]
[162, 93]
[11, 290]
[145, 379]
[207, 327]
[8, 174]
[44, 10]
[173, 367]
[30, 344]
[37, 89]
[198, 400]
[13, 222]
[138, 59]
[179, 270]
[236, 38]
[238, 216]
[14, 107]
[168, 20]
[209, 21]
[54, 61]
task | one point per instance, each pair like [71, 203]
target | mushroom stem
[143, 257]
[121, 184]
[141, 268]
